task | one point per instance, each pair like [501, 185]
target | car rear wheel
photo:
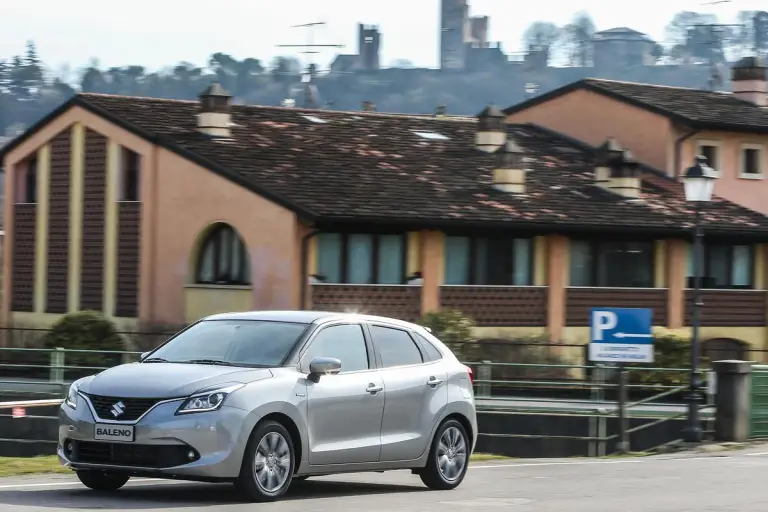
[448, 458]
[102, 480]
[268, 464]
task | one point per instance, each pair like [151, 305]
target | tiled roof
[371, 167]
[698, 107]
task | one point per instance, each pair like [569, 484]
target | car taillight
[470, 374]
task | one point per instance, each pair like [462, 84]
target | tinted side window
[343, 342]
[432, 353]
[395, 346]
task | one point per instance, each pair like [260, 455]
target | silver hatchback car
[262, 399]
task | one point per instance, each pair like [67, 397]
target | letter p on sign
[603, 321]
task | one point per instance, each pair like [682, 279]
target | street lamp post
[699, 181]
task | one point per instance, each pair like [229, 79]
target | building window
[611, 264]
[361, 258]
[26, 183]
[724, 266]
[223, 258]
[488, 261]
[711, 150]
[751, 162]
[130, 176]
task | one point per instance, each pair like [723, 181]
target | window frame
[344, 266]
[23, 192]
[707, 265]
[471, 278]
[130, 176]
[379, 361]
[761, 164]
[303, 366]
[718, 145]
[216, 231]
[595, 250]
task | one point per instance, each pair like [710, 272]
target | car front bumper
[206, 446]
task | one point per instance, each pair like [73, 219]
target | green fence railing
[758, 424]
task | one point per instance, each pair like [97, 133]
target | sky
[160, 33]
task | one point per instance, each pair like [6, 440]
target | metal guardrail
[493, 384]
[598, 409]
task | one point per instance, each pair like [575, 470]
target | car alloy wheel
[272, 463]
[448, 457]
[268, 463]
[451, 454]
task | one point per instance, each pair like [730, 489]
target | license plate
[122, 433]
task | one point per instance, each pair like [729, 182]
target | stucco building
[667, 126]
[158, 212]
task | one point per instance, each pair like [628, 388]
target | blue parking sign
[621, 335]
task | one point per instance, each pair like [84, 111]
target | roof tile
[371, 166]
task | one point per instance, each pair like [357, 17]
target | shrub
[86, 330]
[671, 350]
[453, 328]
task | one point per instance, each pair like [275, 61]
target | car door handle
[434, 382]
[373, 388]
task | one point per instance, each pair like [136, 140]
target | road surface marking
[156, 481]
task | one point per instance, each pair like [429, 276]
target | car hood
[166, 380]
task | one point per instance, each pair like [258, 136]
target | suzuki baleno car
[262, 399]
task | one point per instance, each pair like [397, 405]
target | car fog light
[68, 447]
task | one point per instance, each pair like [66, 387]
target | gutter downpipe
[678, 147]
[304, 266]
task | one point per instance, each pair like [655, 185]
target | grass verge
[13, 466]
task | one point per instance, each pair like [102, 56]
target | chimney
[509, 173]
[749, 81]
[609, 153]
[369, 106]
[491, 130]
[214, 117]
[617, 170]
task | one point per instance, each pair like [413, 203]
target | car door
[416, 393]
[344, 411]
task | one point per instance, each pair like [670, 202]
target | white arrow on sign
[627, 335]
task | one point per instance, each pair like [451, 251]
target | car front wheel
[101, 480]
[268, 464]
[448, 457]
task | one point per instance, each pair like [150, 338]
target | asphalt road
[724, 482]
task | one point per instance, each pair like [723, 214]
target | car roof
[307, 317]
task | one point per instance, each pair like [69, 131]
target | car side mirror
[323, 366]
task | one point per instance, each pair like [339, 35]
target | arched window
[223, 258]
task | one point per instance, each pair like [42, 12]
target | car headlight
[74, 389]
[209, 400]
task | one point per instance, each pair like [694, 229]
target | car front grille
[131, 455]
[132, 408]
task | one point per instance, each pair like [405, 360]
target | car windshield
[232, 342]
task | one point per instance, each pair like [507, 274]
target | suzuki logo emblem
[118, 409]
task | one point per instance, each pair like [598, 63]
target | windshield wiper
[155, 360]
[217, 362]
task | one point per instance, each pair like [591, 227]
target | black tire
[102, 480]
[432, 476]
[247, 483]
